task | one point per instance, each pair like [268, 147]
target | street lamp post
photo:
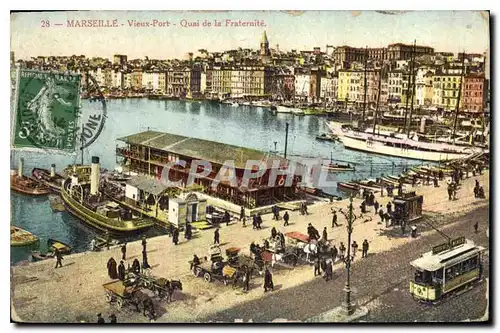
[348, 305]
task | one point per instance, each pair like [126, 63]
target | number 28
[45, 23]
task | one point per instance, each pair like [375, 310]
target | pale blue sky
[452, 31]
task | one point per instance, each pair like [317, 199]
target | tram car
[448, 269]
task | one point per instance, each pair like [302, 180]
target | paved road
[380, 282]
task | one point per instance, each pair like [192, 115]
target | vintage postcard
[250, 166]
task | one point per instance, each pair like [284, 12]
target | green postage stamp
[46, 110]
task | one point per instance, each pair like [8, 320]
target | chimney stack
[20, 167]
[53, 170]
[94, 176]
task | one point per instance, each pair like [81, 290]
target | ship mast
[411, 80]
[459, 97]
[364, 98]
[413, 75]
[378, 95]
[81, 147]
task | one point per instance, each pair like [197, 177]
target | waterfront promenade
[74, 292]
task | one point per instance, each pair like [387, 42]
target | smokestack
[53, 170]
[94, 175]
[422, 125]
[20, 167]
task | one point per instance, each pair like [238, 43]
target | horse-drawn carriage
[228, 272]
[160, 286]
[122, 293]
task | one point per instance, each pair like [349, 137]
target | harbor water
[247, 126]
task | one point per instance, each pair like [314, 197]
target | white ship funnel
[94, 175]
[422, 125]
[20, 167]
[53, 170]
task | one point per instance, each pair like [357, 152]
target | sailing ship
[82, 198]
[405, 145]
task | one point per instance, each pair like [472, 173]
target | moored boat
[21, 237]
[48, 178]
[327, 137]
[56, 203]
[54, 245]
[27, 185]
[338, 167]
[348, 186]
[82, 198]
[38, 256]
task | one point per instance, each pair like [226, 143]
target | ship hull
[98, 221]
[381, 149]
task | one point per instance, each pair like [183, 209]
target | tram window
[422, 277]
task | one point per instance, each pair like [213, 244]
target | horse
[168, 287]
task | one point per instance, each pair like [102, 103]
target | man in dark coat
[124, 251]
[108, 239]
[365, 249]
[325, 234]
[121, 271]
[136, 266]
[273, 233]
[476, 227]
[247, 280]
[259, 221]
[144, 243]
[381, 214]
[317, 267]
[334, 219]
[286, 217]
[113, 274]
[188, 233]
[363, 207]
[389, 207]
[268, 280]
[335, 252]
[376, 205]
[227, 217]
[59, 257]
[254, 222]
[195, 262]
[305, 209]
[242, 213]
[100, 319]
[216, 236]
[171, 229]
[328, 271]
[175, 236]
[450, 192]
[145, 264]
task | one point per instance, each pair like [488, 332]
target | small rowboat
[335, 167]
[20, 237]
[54, 245]
[27, 185]
[348, 186]
[56, 203]
[38, 256]
[327, 137]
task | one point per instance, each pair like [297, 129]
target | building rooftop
[211, 151]
[151, 186]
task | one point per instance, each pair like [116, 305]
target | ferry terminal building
[148, 152]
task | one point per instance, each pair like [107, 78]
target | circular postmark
[49, 112]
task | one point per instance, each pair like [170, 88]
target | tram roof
[212, 151]
[431, 262]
